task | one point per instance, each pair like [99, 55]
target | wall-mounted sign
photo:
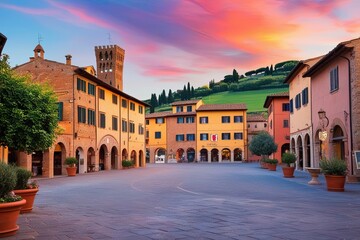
[357, 159]
[322, 135]
[214, 137]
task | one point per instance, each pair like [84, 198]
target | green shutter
[60, 111]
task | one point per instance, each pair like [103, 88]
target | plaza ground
[191, 201]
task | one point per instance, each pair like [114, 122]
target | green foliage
[233, 87]
[272, 161]
[250, 73]
[7, 181]
[333, 166]
[71, 161]
[23, 177]
[282, 64]
[262, 144]
[127, 163]
[288, 158]
[28, 112]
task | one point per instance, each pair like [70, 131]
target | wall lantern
[322, 117]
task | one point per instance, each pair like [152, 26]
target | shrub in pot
[127, 163]
[335, 171]
[272, 163]
[71, 169]
[288, 159]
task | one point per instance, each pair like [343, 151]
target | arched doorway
[180, 155]
[203, 155]
[90, 160]
[124, 154]
[147, 156]
[190, 154]
[80, 158]
[141, 157]
[133, 157]
[285, 147]
[338, 143]
[37, 163]
[307, 151]
[59, 157]
[237, 154]
[225, 154]
[300, 154]
[293, 145]
[102, 157]
[160, 155]
[214, 155]
[114, 158]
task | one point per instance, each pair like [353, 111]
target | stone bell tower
[110, 65]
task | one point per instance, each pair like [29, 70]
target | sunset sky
[171, 42]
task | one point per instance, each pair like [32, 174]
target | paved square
[191, 201]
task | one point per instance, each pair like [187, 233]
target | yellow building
[194, 131]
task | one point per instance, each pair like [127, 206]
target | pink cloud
[32, 11]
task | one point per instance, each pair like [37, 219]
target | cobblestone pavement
[191, 201]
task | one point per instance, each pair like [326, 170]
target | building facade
[100, 125]
[278, 121]
[256, 123]
[197, 132]
[301, 141]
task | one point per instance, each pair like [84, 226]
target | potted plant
[263, 145]
[71, 168]
[25, 188]
[288, 159]
[272, 163]
[126, 164]
[335, 171]
[10, 204]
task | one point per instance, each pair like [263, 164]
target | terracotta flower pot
[9, 213]
[272, 167]
[335, 183]
[29, 196]
[288, 171]
[71, 171]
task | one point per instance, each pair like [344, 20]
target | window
[189, 108]
[114, 123]
[101, 94]
[132, 127]
[248, 125]
[124, 125]
[265, 125]
[141, 129]
[204, 136]
[305, 96]
[225, 136]
[114, 99]
[190, 137]
[238, 135]
[291, 106]
[141, 109]
[124, 103]
[298, 101]
[271, 124]
[179, 109]
[81, 115]
[225, 119]
[147, 122]
[147, 134]
[160, 120]
[255, 126]
[132, 106]
[334, 79]
[81, 85]
[157, 135]
[204, 120]
[180, 137]
[238, 119]
[60, 110]
[91, 89]
[102, 120]
[91, 117]
[180, 120]
[286, 123]
[190, 119]
[285, 107]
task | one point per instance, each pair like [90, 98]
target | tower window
[106, 56]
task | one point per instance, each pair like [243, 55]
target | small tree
[263, 145]
[28, 112]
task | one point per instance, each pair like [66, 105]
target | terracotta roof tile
[158, 114]
[187, 102]
[255, 118]
[222, 107]
[270, 97]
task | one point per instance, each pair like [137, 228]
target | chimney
[68, 59]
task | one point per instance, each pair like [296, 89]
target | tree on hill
[170, 98]
[184, 94]
[250, 73]
[212, 83]
[228, 78]
[235, 76]
[192, 92]
[153, 102]
[188, 91]
[271, 69]
[263, 144]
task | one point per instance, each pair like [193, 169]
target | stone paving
[191, 201]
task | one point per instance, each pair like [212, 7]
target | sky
[169, 43]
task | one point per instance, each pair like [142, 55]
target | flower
[32, 184]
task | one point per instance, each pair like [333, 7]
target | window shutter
[60, 111]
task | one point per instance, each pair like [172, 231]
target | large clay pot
[9, 213]
[335, 183]
[288, 171]
[29, 196]
[71, 171]
[272, 167]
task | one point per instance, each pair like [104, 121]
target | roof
[300, 65]
[271, 97]
[337, 51]
[38, 48]
[255, 118]
[187, 102]
[158, 114]
[222, 107]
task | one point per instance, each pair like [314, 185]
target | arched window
[100, 56]
[110, 55]
[106, 56]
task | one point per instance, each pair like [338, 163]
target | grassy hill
[254, 99]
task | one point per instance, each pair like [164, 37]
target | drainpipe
[350, 116]
[73, 118]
